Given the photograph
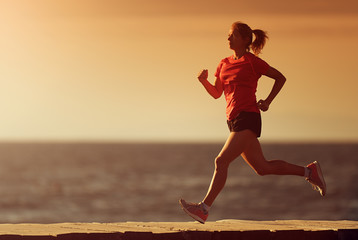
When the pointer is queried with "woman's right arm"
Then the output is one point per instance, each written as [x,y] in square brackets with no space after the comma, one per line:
[215,90]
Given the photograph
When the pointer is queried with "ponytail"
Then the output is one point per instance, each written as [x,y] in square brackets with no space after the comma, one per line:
[259,42]
[245,31]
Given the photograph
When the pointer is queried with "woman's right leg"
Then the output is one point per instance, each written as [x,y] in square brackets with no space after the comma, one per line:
[254,157]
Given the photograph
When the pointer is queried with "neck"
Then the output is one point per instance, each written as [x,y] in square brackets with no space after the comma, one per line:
[239,53]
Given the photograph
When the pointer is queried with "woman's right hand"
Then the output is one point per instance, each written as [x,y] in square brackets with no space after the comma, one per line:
[214,90]
[203,75]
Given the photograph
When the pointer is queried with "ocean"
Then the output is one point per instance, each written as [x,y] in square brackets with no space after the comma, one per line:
[110,182]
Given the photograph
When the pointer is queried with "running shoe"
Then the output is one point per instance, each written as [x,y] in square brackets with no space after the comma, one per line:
[316,178]
[194,210]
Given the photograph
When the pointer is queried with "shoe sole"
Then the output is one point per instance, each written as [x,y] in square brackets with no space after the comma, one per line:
[320,175]
[195,217]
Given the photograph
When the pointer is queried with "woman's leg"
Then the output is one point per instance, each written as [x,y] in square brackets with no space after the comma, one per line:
[254,157]
[235,145]
[246,144]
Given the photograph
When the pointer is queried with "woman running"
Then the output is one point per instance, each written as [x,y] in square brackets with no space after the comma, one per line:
[236,77]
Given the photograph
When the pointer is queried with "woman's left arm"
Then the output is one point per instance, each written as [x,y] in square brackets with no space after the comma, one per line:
[279,82]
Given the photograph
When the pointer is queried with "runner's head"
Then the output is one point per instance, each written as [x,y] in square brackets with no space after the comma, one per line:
[243,31]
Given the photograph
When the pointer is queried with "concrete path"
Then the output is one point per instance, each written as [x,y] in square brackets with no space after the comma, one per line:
[224,229]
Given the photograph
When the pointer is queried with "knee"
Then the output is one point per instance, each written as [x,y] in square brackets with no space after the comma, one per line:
[262,170]
[259,164]
[221,163]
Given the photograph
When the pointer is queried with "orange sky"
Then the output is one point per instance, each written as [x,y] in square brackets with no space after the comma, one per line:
[126,70]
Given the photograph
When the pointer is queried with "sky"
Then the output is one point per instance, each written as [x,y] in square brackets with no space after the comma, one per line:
[115,70]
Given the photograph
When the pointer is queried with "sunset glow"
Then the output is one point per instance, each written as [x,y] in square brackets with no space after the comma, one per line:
[126,71]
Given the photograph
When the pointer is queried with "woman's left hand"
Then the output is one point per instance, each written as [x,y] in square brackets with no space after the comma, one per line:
[263,105]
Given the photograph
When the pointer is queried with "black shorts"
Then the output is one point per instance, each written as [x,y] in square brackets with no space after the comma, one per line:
[246,120]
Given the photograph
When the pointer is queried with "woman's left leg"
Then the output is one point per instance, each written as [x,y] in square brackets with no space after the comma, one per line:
[235,145]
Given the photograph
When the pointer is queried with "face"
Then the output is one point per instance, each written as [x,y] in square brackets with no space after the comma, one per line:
[236,41]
